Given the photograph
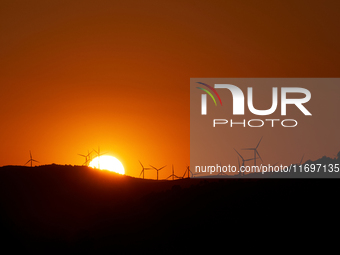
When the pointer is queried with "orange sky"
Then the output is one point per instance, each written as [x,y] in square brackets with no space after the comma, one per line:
[116,74]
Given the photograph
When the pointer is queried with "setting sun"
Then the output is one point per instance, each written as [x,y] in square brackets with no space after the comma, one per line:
[108,163]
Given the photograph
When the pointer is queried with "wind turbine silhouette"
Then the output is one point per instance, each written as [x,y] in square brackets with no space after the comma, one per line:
[276,163]
[187,171]
[173,174]
[243,160]
[221,172]
[239,166]
[143,169]
[157,169]
[255,151]
[273,168]
[301,159]
[87,157]
[190,172]
[31,160]
[98,155]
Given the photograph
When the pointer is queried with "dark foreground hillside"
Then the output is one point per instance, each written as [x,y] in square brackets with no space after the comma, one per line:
[72,209]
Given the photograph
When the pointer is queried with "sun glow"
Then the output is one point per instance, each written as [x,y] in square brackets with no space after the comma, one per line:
[107,163]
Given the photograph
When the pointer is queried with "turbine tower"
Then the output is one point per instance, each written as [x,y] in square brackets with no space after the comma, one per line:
[98,155]
[243,161]
[173,174]
[87,157]
[239,166]
[301,159]
[31,160]
[157,169]
[299,164]
[255,151]
[273,167]
[187,171]
[221,173]
[143,169]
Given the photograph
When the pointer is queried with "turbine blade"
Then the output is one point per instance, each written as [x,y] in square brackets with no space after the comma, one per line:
[259,155]
[238,153]
[35,161]
[153,167]
[161,168]
[301,159]
[27,162]
[258,143]
[141,164]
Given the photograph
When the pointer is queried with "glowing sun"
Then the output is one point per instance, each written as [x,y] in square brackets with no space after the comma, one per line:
[108,163]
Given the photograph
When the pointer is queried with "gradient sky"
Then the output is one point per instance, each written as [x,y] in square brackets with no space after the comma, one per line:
[75,75]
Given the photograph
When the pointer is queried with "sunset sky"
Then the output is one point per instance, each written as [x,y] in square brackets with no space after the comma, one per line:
[75,75]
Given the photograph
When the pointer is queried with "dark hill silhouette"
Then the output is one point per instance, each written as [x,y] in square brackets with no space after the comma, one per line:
[324,167]
[76,209]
